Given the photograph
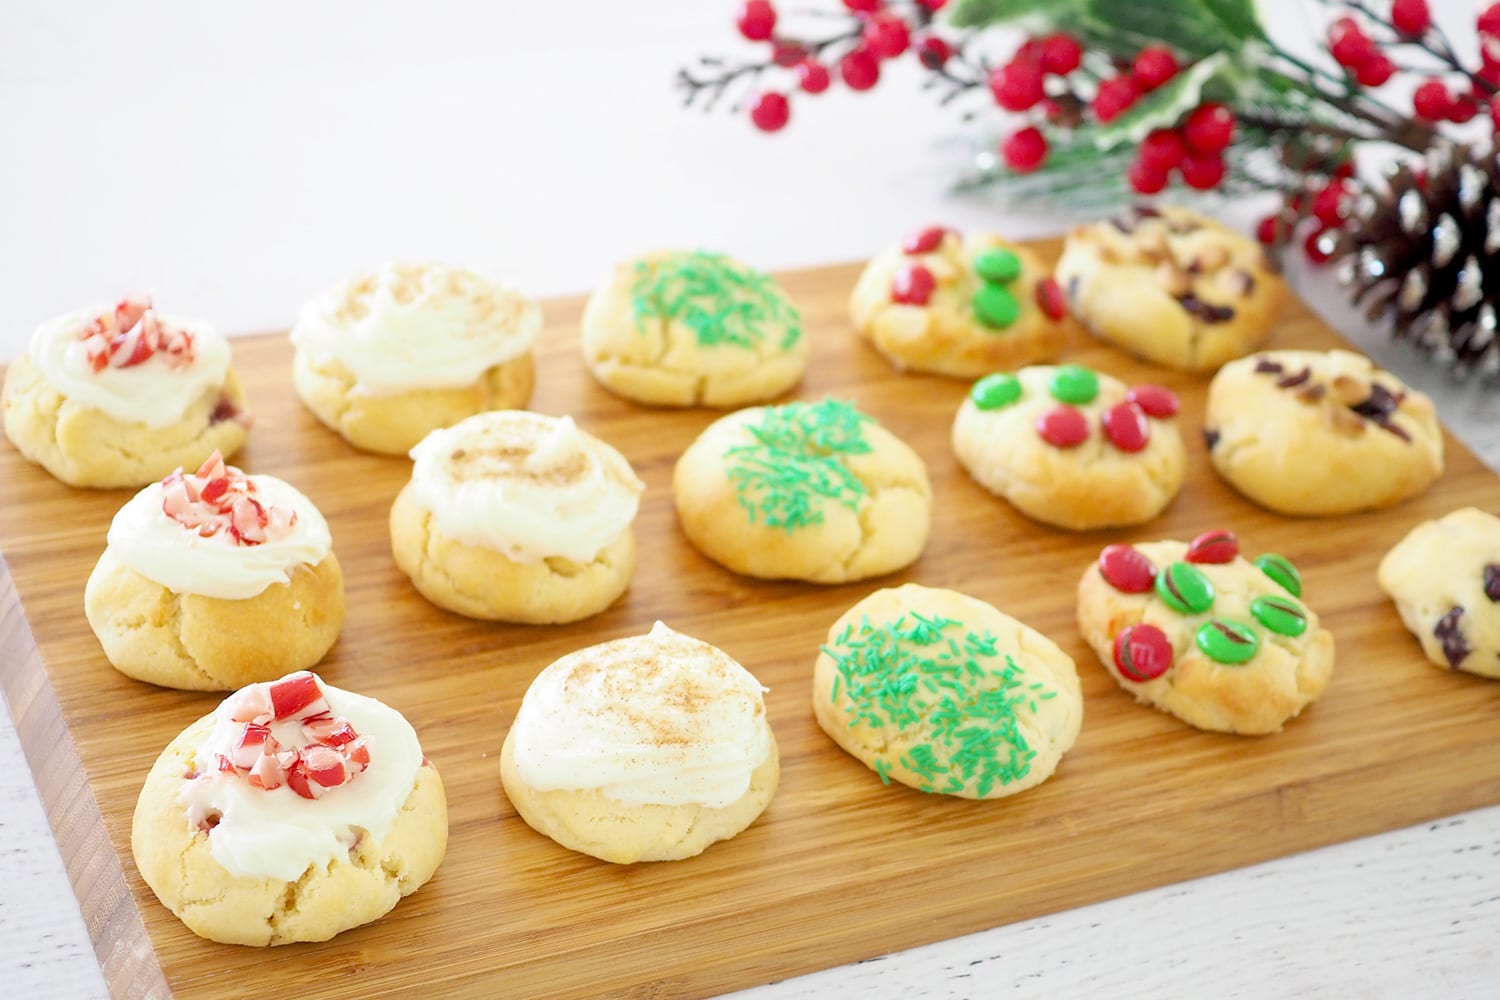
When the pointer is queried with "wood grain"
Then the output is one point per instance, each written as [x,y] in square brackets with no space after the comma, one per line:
[839,867]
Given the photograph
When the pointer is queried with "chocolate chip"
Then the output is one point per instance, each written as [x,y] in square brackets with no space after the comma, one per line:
[1379,405]
[1210,438]
[1206,311]
[1492,581]
[223,410]
[1311,393]
[1394,430]
[1288,381]
[1450,634]
[1265,366]
[1146,211]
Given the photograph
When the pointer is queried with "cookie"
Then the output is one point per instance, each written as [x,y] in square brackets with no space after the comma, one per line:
[1072,447]
[215,579]
[387,357]
[1171,286]
[959,305]
[803,491]
[293,812]
[1320,433]
[1198,631]
[518,517]
[942,692]
[120,396]
[649,748]
[1445,579]
[693,329]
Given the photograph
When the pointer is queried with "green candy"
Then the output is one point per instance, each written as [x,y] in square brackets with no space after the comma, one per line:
[995,391]
[1185,589]
[997,265]
[996,307]
[1227,642]
[1280,569]
[1074,384]
[1280,615]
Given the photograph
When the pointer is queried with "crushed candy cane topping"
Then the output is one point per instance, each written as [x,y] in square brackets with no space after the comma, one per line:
[219,500]
[133,334]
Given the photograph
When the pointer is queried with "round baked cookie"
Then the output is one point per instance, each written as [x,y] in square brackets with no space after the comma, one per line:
[121,395]
[680,328]
[803,491]
[214,579]
[649,748]
[387,357]
[518,517]
[959,305]
[1445,579]
[293,812]
[1198,631]
[1320,433]
[1072,447]
[942,692]
[1171,286]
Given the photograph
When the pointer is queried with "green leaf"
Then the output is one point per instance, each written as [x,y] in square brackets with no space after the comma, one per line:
[1163,106]
[1195,27]
[1238,16]
[979,13]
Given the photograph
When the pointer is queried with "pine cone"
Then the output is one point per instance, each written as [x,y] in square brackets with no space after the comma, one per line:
[1424,246]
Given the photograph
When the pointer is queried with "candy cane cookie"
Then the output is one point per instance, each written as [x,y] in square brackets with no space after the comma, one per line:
[214,579]
[291,813]
[121,395]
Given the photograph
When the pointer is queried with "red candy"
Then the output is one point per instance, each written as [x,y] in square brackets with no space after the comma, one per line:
[1142,652]
[1154,400]
[913,285]
[1213,547]
[1126,568]
[1050,298]
[1125,426]
[926,241]
[1063,427]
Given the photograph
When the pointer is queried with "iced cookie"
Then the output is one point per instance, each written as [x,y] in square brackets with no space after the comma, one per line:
[1071,447]
[959,305]
[1445,579]
[1171,286]
[804,491]
[121,396]
[387,357]
[518,517]
[1320,433]
[1201,633]
[293,812]
[649,748]
[942,692]
[214,579]
[693,329]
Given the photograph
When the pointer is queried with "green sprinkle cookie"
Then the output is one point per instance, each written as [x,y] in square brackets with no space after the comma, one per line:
[996,391]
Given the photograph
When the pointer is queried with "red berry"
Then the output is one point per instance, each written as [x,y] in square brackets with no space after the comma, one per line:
[1050,298]
[1313,246]
[1146,178]
[1153,66]
[1271,228]
[933,52]
[886,35]
[863,6]
[1203,171]
[1463,109]
[1349,44]
[1375,71]
[1488,22]
[1411,17]
[1209,128]
[1142,652]
[932,5]
[770,111]
[1345,171]
[1061,54]
[756,20]
[912,285]
[860,70]
[1430,101]
[1154,400]
[1030,49]
[812,76]
[1024,150]
[925,240]
[1017,85]
[1113,97]
[1127,569]
[1328,204]
[1162,149]
[1125,426]
[1063,427]
[788,54]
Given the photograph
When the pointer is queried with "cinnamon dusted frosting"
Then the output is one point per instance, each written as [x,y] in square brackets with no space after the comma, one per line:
[417,326]
[658,719]
[527,485]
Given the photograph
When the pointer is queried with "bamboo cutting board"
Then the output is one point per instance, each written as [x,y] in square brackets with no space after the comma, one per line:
[840,867]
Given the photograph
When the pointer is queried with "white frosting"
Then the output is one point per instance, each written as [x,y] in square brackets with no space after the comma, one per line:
[145,538]
[278,833]
[412,326]
[526,485]
[151,393]
[659,719]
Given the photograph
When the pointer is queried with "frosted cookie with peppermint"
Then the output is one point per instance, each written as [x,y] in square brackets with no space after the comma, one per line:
[803,491]
[121,395]
[959,305]
[293,812]
[1072,447]
[943,692]
[1200,632]
[518,517]
[1171,286]
[691,328]
[387,357]
[214,579]
[1320,433]
[648,748]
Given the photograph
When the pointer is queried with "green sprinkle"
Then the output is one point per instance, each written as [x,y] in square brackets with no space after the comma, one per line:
[799,459]
[1280,569]
[1074,384]
[721,301]
[998,265]
[885,778]
[995,391]
[996,307]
